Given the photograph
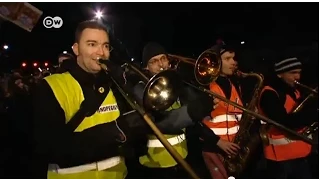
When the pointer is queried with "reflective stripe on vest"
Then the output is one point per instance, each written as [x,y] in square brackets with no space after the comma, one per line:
[158,156]
[280,147]
[98,166]
[69,94]
[283,141]
[225,117]
[173,141]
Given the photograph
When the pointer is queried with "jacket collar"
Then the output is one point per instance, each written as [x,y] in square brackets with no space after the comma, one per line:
[88,79]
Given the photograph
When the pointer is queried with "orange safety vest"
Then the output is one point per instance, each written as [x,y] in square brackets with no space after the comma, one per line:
[280,147]
[225,117]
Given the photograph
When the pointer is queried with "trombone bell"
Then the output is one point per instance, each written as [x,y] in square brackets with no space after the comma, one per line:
[207,67]
[162,90]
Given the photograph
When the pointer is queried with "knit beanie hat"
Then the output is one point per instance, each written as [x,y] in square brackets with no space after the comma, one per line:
[286,65]
[150,50]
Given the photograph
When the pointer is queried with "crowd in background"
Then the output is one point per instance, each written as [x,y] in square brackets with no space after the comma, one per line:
[16,115]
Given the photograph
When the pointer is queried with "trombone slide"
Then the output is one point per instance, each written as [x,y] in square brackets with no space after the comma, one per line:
[154,128]
[263,118]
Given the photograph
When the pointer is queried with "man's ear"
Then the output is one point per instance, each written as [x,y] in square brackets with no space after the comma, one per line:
[75,49]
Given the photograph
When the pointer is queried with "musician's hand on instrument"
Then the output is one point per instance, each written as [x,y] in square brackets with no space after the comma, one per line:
[228,147]
[215,102]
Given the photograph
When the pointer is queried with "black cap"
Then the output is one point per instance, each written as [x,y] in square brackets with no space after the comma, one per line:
[221,47]
[150,50]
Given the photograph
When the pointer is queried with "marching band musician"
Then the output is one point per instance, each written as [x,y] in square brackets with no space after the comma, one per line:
[157,162]
[286,158]
[225,117]
[90,146]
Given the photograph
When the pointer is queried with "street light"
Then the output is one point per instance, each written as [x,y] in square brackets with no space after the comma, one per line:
[99,14]
[5,47]
[242,42]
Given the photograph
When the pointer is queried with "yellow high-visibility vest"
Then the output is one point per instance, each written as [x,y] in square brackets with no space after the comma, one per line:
[69,94]
[158,156]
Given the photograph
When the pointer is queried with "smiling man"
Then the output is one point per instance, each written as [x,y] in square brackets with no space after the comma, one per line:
[88,146]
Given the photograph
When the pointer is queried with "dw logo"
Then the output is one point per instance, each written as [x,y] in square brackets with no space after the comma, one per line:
[49,22]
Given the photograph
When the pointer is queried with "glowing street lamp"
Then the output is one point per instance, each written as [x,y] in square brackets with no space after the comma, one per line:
[99,14]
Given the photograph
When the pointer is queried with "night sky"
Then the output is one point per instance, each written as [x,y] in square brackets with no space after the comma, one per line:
[184,28]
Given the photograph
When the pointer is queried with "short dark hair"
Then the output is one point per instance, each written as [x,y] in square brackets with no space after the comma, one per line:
[92,24]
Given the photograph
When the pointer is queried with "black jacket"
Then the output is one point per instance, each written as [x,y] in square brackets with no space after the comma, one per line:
[53,141]
[272,104]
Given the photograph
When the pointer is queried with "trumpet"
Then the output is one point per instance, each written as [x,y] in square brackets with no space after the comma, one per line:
[158,101]
[206,69]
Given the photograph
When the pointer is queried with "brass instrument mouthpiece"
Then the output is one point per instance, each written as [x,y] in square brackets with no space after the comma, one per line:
[239,73]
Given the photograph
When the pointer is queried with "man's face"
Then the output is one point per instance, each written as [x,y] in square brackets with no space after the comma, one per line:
[290,76]
[93,44]
[228,63]
[158,63]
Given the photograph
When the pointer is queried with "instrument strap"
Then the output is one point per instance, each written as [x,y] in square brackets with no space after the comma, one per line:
[92,101]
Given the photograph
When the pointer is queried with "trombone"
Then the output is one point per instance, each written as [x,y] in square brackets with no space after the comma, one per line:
[312,91]
[206,69]
[314,127]
[158,101]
